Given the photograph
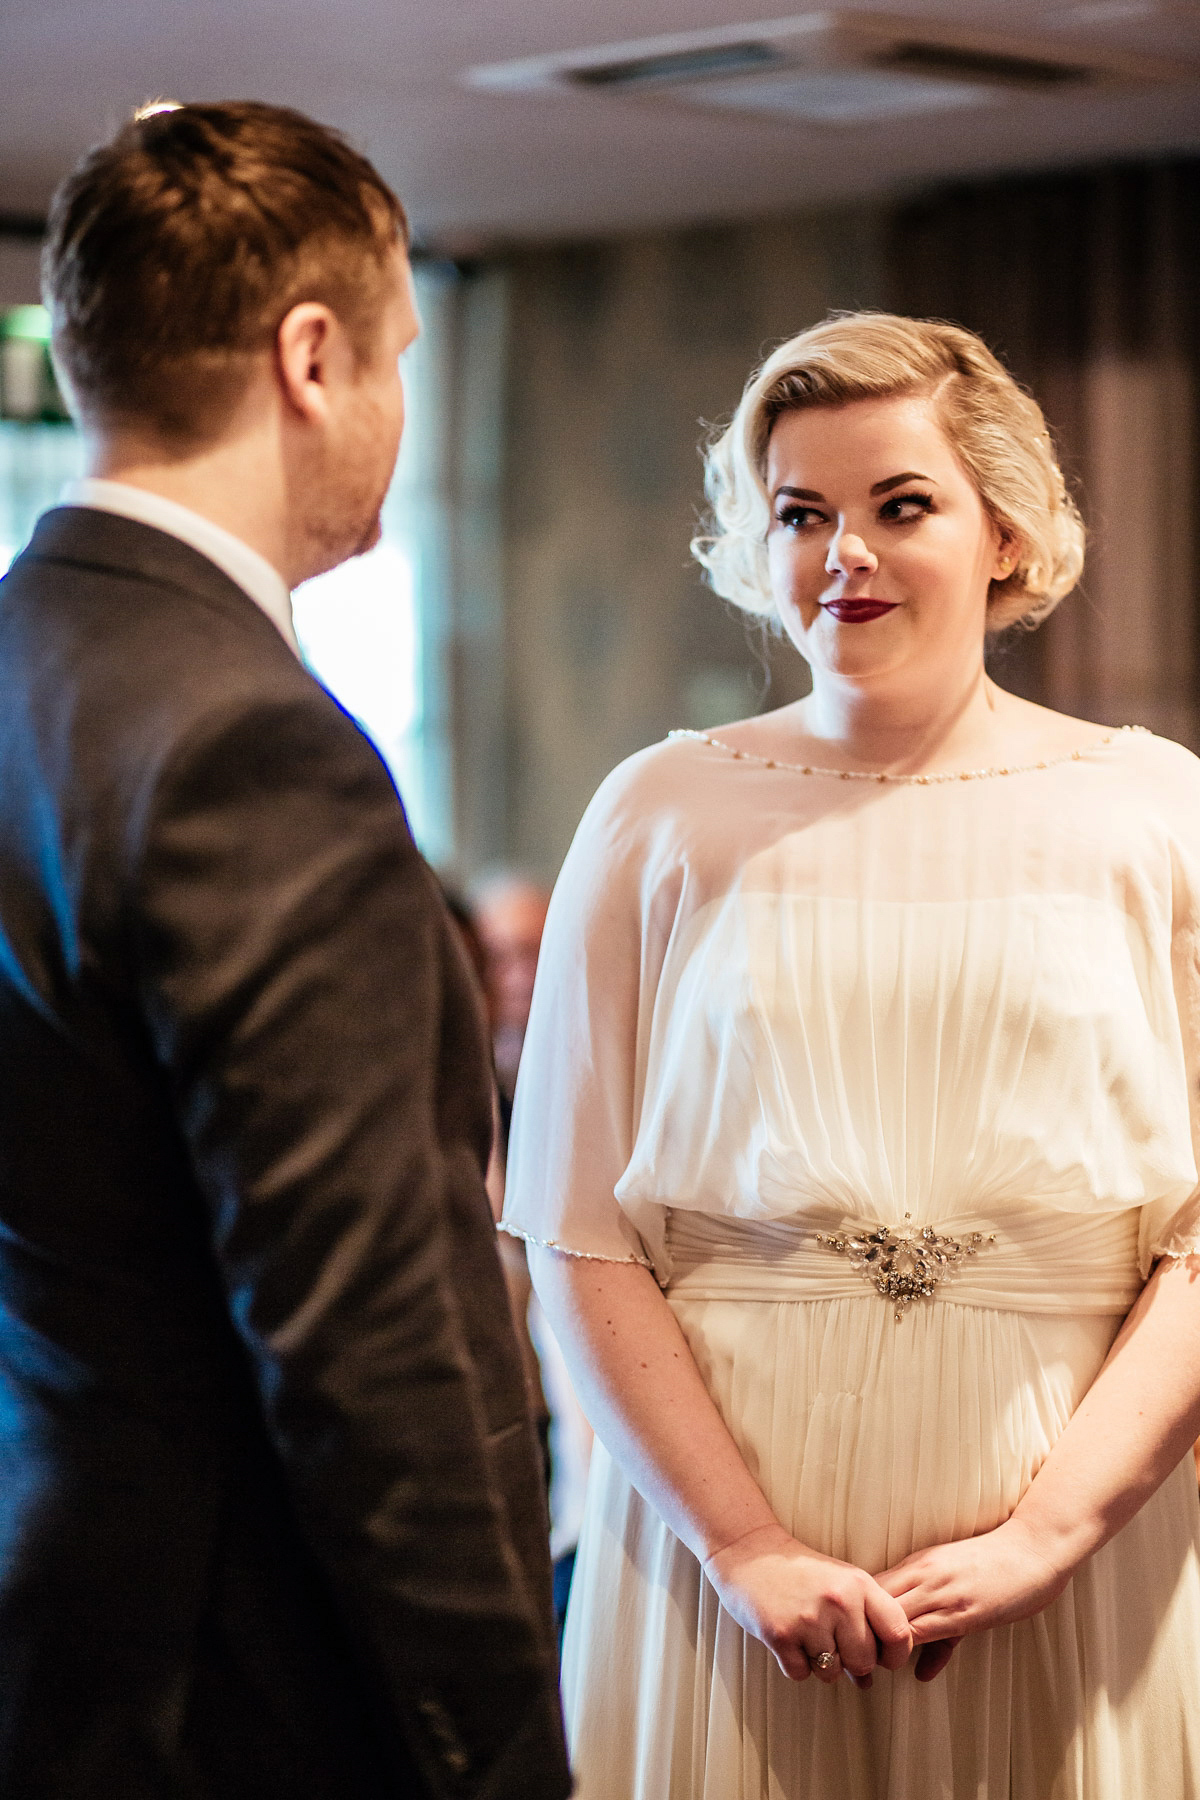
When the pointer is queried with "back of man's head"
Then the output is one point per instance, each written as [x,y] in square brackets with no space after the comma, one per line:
[175,250]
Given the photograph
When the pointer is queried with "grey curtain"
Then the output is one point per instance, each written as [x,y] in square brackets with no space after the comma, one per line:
[1088,285]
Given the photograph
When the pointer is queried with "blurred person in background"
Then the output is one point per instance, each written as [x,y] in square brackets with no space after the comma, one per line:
[509,914]
[271,1517]
[511,1250]
[509,910]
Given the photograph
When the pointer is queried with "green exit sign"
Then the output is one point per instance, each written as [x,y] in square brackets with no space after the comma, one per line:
[28,389]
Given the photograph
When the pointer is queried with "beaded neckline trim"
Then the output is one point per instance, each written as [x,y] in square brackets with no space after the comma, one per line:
[935,778]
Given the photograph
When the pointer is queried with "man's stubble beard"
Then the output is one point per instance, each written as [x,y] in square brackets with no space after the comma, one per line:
[373,535]
[346,493]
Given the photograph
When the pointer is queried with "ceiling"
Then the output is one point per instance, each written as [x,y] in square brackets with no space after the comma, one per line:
[480,167]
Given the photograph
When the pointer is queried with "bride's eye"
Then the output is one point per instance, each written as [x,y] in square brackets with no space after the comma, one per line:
[797,518]
[905,507]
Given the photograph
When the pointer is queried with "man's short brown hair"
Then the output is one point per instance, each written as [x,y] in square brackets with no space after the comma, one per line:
[175,250]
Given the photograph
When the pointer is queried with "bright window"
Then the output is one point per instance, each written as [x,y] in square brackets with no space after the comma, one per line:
[35,462]
[358,629]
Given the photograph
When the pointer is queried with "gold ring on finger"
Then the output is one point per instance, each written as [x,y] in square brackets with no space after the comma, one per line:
[827,1660]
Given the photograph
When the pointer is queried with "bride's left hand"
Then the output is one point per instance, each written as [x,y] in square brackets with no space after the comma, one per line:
[951,1590]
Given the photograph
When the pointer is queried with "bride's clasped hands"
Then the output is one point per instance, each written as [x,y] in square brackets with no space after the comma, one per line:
[951,1590]
[815,1614]
[800,1603]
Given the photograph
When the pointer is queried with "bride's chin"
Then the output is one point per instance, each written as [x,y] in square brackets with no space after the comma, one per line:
[851,661]
[845,649]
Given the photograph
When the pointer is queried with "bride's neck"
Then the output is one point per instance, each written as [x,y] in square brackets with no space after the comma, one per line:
[915,727]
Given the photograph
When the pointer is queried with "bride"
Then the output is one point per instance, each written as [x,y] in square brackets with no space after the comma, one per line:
[856,1147]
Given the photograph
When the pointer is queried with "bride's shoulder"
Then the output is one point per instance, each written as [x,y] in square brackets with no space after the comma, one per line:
[643,793]
[1128,750]
[1159,758]
[641,828]
[1167,778]
[664,774]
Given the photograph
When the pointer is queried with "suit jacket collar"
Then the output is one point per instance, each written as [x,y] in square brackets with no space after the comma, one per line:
[92,539]
[247,566]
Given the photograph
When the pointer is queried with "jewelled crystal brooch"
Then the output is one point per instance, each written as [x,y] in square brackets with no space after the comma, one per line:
[904,1265]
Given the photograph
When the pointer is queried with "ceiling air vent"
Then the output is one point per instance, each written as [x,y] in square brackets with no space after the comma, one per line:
[680,65]
[948,62]
[828,68]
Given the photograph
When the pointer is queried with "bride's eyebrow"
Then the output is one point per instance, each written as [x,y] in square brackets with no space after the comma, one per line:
[881,487]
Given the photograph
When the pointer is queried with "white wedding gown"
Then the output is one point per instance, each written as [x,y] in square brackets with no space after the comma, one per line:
[776,1007]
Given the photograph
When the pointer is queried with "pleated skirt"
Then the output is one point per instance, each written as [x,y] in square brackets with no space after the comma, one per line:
[872,1438]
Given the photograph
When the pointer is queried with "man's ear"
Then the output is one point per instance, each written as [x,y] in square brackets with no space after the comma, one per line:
[306,345]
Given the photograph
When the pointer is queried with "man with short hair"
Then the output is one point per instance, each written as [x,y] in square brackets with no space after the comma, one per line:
[270,1515]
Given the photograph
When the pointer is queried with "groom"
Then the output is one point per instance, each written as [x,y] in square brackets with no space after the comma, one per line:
[270,1518]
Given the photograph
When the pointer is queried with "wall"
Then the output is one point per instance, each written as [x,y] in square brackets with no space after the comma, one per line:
[19,270]
[1088,284]
[619,354]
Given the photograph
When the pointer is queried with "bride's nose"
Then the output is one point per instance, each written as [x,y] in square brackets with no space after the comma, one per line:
[849,555]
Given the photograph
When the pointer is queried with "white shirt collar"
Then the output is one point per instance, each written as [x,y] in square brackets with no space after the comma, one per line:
[252,572]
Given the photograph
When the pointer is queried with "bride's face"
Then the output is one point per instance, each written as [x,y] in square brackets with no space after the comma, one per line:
[881,551]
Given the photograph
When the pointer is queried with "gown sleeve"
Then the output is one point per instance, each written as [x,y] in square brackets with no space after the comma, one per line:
[577,1092]
[1169,1227]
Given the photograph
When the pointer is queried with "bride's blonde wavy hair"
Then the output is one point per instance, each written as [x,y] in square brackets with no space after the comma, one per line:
[996,430]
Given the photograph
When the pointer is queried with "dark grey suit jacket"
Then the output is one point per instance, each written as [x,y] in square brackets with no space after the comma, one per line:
[270,1516]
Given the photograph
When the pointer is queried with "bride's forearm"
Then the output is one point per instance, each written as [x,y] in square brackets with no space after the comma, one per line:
[1133,1426]
[640,1387]
[640,1384]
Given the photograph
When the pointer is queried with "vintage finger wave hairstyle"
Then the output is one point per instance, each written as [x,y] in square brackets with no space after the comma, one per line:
[994,426]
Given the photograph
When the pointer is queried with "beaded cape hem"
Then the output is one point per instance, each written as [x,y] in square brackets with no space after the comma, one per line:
[527,1237]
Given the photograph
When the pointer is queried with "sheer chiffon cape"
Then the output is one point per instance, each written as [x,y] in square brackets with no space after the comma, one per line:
[775,1006]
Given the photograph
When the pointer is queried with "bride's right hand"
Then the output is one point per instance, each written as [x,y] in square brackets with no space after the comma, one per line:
[800,1603]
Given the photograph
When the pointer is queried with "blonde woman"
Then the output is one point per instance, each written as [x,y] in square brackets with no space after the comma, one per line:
[856,1149]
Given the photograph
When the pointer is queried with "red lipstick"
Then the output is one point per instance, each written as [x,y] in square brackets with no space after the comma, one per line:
[858,612]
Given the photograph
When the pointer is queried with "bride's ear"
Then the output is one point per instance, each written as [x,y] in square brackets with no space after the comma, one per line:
[1008,554]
